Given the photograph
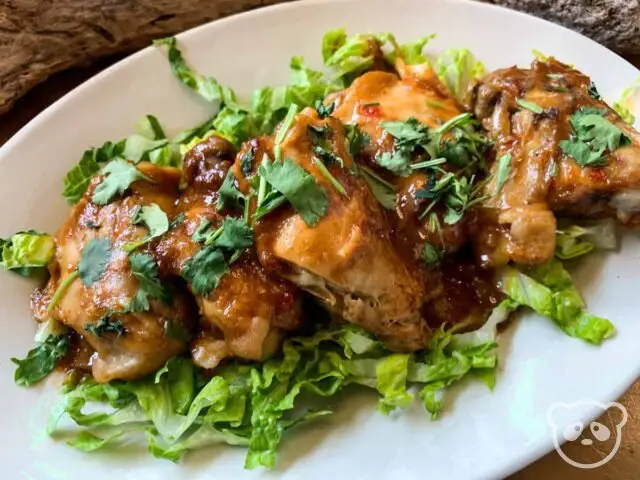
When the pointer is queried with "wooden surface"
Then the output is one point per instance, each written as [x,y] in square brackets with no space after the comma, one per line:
[624,466]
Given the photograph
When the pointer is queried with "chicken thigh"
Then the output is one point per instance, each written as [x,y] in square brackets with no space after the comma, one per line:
[128,342]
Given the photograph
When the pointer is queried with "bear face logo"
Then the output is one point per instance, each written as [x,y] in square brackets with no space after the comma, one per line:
[603,439]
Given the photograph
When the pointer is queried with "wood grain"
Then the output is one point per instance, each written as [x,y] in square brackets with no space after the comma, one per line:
[41,37]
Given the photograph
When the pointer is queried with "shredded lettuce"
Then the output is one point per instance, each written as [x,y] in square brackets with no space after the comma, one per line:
[178,410]
[548,289]
[24,252]
[457,68]
[575,240]
[625,106]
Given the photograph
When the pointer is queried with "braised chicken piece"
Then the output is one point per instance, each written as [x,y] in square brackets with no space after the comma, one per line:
[346,259]
[541,119]
[128,342]
[416,92]
[245,315]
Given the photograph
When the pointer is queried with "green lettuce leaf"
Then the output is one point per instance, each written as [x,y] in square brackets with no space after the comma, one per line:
[456,68]
[549,290]
[624,106]
[576,239]
[23,252]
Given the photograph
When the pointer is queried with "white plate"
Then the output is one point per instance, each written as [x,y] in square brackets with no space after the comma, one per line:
[481,434]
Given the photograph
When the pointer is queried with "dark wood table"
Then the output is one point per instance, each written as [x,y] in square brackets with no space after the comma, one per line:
[624,466]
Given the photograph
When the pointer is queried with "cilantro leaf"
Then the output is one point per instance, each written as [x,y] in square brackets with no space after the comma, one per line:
[155,220]
[204,270]
[383,191]
[504,169]
[235,234]
[593,92]
[357,139]
[396,162]
[308,198]
[177,221]
[246,162]
[431,255]
[145,270]
[94,260]
[119,175]
[324,110]
[41,360]
[105,325]
[592,136]
[229,197]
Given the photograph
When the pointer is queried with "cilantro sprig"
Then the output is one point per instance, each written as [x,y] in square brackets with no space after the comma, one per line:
[592,137]
[41,360]
[119,175]
[207,267]
[94,261]
[154,218]
[107,324]
[145,270]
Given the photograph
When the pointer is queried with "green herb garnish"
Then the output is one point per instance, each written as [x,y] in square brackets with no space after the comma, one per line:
[204,270]
[308,198]
[106,325]
[504,170]
[154,218]
[593,135]
[119,175]
[527,105]
[41,360]
[145,270]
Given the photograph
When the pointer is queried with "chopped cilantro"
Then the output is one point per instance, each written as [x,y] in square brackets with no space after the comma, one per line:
[384,191]
[593,92]
[105,325]
[119,175]
[246,162]
[356,139]
[396,162]
[593,135]
[155,220]
[204,270]
[329,177]
[94,260]
[324,110]
[177,221]
[145,270]
[431,255]
[282,131]
[308,198]
[229,197]
[234,234]
[504,169]
[527,105]
[41,360]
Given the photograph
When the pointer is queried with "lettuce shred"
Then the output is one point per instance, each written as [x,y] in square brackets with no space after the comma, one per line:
[549,290]
[253,405]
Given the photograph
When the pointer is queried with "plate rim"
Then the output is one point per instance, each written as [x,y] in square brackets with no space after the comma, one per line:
[519,461]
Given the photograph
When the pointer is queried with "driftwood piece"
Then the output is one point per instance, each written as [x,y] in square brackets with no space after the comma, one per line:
[613,23]
[41,37]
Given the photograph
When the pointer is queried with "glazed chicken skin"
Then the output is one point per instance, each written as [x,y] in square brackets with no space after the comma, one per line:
[459,293]
[347,259]
[246,315]
[543,179]
[143,345]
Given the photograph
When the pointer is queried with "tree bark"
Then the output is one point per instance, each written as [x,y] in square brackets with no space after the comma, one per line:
[41,37]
